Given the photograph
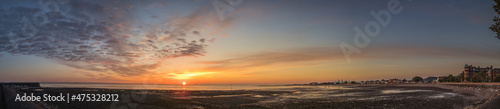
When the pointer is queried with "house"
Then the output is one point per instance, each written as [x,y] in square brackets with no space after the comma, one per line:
[470,71]
[493,73]
[404,81]
[396,81]
[431,79]
[411,81]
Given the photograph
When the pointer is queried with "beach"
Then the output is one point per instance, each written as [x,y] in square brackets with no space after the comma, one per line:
[443,96]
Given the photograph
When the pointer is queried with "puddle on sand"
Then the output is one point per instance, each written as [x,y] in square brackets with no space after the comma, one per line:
[231,95]
[393,91]
[217,96]
[442,95]
[260,96]
[190,97]
[373,98]
[345,94]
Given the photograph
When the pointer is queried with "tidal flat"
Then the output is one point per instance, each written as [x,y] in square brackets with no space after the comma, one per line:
[408,96]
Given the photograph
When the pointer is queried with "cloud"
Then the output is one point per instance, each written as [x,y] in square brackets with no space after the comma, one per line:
[278,58]
[105,36]
[284,58]
[132,70]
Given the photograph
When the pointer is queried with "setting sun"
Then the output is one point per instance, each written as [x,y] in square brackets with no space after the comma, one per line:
[183,83]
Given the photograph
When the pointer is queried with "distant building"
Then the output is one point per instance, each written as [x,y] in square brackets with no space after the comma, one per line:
[493,73]
[395,81]
[313,83]
[329,83]
[410,81]
[431,79]
[470,71]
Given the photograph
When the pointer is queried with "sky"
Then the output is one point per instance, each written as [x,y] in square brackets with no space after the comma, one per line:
[242,41]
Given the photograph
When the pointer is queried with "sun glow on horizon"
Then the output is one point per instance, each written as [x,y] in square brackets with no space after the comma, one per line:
[188,75]
[184,83]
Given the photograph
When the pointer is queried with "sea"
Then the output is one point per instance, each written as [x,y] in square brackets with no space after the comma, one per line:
[175,87]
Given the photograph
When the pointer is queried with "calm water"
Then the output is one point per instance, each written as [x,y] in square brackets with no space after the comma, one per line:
[166,86]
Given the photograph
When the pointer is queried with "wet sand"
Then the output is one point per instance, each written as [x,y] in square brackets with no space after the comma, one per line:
[443,96]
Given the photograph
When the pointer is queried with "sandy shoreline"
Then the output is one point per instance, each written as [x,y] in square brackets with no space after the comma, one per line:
[324,96]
